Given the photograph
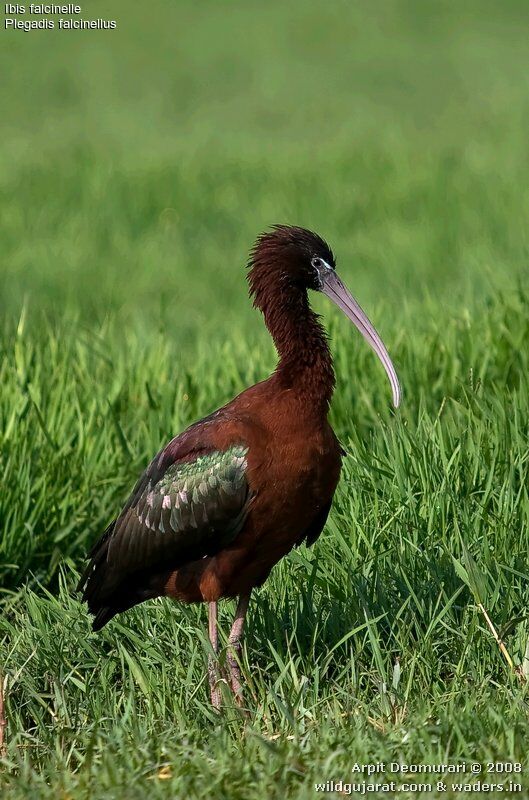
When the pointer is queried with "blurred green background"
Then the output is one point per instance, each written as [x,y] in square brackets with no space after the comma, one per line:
[137,167]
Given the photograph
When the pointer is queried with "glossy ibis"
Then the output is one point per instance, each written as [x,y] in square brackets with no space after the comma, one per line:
[232,494]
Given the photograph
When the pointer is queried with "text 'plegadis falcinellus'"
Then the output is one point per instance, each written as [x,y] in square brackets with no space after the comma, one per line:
[231,495]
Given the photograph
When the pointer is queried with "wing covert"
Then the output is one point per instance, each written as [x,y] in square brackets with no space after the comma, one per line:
[203,492]
[190,509]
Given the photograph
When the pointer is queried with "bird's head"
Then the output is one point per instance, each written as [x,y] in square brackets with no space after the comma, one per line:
[292,257]
[287,260]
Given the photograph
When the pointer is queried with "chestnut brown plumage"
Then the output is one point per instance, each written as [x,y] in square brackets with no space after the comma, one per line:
[226,499]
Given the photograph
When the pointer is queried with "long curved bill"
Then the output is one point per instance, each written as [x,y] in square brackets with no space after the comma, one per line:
[333,287]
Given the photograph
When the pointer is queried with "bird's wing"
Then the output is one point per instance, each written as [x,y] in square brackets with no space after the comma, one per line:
[189,503]
[197,506]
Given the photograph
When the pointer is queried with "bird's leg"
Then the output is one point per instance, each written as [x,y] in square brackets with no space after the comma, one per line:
[212,659]
[234,646]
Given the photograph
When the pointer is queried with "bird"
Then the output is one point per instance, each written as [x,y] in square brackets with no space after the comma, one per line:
[230,496]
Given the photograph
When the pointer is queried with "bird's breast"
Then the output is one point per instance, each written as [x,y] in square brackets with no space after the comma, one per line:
[297,479]
[292,478]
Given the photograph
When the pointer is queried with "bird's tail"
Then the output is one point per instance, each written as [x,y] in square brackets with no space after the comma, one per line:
[92,582]
[104,600]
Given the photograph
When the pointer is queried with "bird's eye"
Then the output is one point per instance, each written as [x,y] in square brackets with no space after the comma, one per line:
[317,263]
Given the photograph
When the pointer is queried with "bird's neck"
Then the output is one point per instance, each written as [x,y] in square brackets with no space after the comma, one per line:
[305,362]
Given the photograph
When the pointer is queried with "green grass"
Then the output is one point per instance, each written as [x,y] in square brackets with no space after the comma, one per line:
[135,172]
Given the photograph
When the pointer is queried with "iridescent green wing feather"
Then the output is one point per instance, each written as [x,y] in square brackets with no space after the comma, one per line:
[193,509]
[196,493]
